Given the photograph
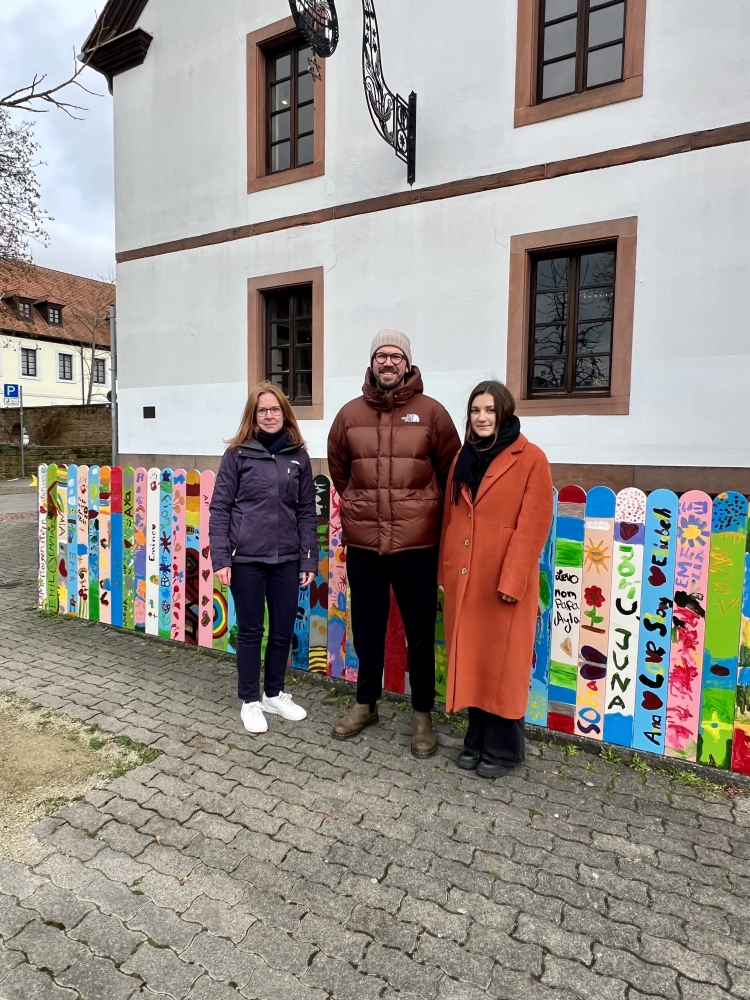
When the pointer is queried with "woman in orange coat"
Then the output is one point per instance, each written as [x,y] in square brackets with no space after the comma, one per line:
[498,511]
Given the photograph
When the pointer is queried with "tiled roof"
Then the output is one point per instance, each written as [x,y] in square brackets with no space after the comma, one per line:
[85,303]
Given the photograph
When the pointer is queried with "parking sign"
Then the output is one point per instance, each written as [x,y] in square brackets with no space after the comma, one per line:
[11,394]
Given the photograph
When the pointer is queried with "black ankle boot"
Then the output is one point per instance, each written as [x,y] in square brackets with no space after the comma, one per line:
[467,759]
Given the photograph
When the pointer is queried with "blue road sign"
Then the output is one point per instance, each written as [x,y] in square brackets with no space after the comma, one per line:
[10,390]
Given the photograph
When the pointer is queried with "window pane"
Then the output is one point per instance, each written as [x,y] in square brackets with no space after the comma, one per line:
[304,303]
[560,39]
[551,307]
[592,373]
[548,375]
[281,380]
[552,273]
[595,303]
[305,88]
[594,338]
[305,150]
[304,359]
[304,385]
[606,25]
[283,67]
[279,359]
[280,157]
[549,340]
[604,66]
[304,333]
[559,78]
[280,126]
[598,268]
[559,8]
[278,307]
[281,96]
[279,335]
[305,119]
[303,58]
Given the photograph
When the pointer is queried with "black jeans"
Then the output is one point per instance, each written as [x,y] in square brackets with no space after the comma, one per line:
[495,739]
[413,576]
[252,585]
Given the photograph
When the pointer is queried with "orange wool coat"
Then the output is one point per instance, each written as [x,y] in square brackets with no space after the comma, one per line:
[489,547]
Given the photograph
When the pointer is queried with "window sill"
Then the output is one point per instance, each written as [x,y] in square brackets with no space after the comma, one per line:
[573,406]
[266,181]
[625,90]
[314,412]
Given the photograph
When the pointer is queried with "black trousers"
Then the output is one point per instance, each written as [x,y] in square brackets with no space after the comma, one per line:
[497,740]
[413,576]
[252,585]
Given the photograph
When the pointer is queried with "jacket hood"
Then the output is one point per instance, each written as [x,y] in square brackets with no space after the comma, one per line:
[393,399]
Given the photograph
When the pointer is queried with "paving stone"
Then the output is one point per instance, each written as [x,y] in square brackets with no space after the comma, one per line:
[482,910]
[56,906]
[13,918]
[433,918]
[509,985]
[273,984]
[457,962]
[168,860]
[364,890]
[652,979]
[218,917]
[98,979]
[417,884]
[122,837]
[277,949]
[84,815]
[384,928]
[207,989]
[272,909]
[169,833]
[221,959]
[106,936]
[8,961]
[45,946]
[162,971]
[704,968]
[26,983]
[341,981]
[16,881]
[601,929]
[553,938]
[587,985]
[127,812]
[400,971]
[164,890]
[118,867]
[505,950]
[113,898]
[313,868]
[331,938]
[699,991]
[163,927]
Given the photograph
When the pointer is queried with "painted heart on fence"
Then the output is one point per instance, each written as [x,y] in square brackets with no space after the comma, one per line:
[628,531]
[656,578]
[566,647]
[651,701]
[206,573]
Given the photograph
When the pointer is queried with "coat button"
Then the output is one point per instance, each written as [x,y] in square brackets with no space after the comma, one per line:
[469,514]
[464,571]
[467,542]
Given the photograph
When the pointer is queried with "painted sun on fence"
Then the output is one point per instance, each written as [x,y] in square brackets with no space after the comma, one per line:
[643,626]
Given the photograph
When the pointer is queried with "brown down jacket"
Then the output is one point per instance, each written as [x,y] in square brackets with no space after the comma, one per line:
[389,454]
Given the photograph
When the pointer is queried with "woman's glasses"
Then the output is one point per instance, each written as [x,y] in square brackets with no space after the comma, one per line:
[274,411]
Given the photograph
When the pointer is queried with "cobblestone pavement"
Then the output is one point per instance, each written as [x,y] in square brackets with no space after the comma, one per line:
[292,866]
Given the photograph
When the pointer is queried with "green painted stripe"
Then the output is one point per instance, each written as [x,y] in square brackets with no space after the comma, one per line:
[568,553]
[563,675]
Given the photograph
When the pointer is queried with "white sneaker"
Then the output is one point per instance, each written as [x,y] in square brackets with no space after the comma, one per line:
[283,705]
[253,718]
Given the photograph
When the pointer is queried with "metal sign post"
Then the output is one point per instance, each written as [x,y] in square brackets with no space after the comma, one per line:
[113,380]
[23,457]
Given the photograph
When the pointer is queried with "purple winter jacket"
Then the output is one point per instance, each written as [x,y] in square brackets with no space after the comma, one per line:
[263,508]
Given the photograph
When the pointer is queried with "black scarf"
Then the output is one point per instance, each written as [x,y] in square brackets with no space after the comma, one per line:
[474,459]
[273,442]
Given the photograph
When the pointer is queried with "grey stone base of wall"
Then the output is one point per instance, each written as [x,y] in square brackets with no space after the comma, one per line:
[36,455]
[680,478]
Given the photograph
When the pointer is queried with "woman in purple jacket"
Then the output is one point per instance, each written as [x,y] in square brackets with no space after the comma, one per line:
[263,537]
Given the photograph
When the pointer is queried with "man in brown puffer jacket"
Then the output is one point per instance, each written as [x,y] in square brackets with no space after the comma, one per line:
[389,454]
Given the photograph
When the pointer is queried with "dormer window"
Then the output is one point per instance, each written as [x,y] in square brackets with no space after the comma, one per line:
[24,310]
[54,315]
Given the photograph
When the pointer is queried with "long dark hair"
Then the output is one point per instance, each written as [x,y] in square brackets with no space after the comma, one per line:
[505,406]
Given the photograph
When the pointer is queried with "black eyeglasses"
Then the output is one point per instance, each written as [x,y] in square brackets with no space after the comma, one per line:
[395,359]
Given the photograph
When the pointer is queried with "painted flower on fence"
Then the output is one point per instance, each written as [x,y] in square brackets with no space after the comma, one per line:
[693,531]
[593,596]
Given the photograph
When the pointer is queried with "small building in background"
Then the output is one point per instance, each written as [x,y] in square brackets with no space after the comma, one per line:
[54,335]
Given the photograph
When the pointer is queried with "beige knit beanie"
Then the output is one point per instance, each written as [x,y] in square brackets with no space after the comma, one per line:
[392,338]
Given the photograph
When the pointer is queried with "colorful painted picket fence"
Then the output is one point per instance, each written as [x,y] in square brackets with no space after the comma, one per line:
[643,626]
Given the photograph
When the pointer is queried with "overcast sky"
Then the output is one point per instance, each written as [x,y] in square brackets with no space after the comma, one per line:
[76,179]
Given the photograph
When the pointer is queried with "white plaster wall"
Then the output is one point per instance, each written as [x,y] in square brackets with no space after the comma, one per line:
[439,271]
[180,118]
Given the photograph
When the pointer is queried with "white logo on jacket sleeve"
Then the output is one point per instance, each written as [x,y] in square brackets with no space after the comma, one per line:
[411,418]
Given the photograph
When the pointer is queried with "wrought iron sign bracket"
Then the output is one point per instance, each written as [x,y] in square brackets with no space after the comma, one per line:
[393,117]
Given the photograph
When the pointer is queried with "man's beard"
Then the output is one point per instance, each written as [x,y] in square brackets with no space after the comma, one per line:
[389,388]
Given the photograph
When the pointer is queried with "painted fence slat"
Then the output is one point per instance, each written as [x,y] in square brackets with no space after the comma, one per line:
[93,541]
[624,619]
[649,724]
[723,621]
[626,586]
[566,616]
[538,701]
[591,688]
[688,624]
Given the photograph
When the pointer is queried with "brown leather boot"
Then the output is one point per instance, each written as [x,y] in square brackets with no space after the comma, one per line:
[423,742]
[355,721]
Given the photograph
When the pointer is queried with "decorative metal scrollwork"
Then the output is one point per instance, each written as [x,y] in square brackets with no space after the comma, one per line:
[318,24]
[393,117]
